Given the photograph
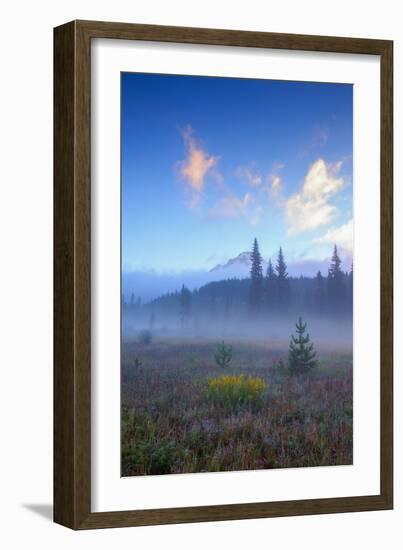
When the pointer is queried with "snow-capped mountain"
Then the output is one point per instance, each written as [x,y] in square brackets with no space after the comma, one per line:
[243,259]
[149,284]
[236,267]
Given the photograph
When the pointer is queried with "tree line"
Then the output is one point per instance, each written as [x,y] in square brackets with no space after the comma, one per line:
[268,295]
[277,292]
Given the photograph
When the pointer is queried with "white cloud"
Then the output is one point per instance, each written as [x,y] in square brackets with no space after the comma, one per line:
[232,206]
[341,236]
[194,169]
[310,208]
[275,185]
[270,184]
[254,179]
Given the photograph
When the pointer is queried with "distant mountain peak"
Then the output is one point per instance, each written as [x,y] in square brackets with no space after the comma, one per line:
[242,260]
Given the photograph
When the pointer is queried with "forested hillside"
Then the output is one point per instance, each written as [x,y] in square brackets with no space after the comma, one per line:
[263,296]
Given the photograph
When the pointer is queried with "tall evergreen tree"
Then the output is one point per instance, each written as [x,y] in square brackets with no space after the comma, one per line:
[270,271]
[301,355]
[281,267]
[336,287]
[256,280]
[283,284]
[270,286]
[335,264]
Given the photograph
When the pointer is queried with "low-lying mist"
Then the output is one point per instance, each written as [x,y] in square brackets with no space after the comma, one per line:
[322,330]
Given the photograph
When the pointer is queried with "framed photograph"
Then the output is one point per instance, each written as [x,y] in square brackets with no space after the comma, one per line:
[222,275]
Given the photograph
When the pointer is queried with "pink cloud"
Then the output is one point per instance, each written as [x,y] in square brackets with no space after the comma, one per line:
[197,165]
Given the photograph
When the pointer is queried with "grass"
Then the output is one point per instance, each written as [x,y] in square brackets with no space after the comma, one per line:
[170,423]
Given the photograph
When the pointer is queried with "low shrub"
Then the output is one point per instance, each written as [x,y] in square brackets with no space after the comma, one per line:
[236,390]
[148,458]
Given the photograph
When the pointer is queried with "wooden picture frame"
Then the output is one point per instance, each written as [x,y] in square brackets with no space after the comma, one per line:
[72,270]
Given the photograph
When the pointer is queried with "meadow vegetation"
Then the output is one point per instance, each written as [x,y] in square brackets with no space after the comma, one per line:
[192,405]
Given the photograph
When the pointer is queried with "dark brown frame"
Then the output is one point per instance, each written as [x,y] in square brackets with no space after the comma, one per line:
[72,267]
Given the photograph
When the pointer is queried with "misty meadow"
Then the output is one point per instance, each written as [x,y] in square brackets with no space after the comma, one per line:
[237,353]
[210,384]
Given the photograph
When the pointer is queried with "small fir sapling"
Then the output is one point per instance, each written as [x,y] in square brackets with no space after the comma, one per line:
[223,355]
[301,355]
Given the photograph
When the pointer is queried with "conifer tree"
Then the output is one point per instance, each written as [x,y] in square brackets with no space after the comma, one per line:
[270,286]
[256,280]
[336,288]
[281,266]
[301,354]
[335,264]
[283,286]
[270,271]
[223,355]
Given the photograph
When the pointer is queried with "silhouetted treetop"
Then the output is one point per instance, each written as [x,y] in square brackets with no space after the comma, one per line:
[281,266]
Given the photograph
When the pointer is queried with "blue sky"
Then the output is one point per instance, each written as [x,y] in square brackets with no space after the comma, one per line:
[210,163]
